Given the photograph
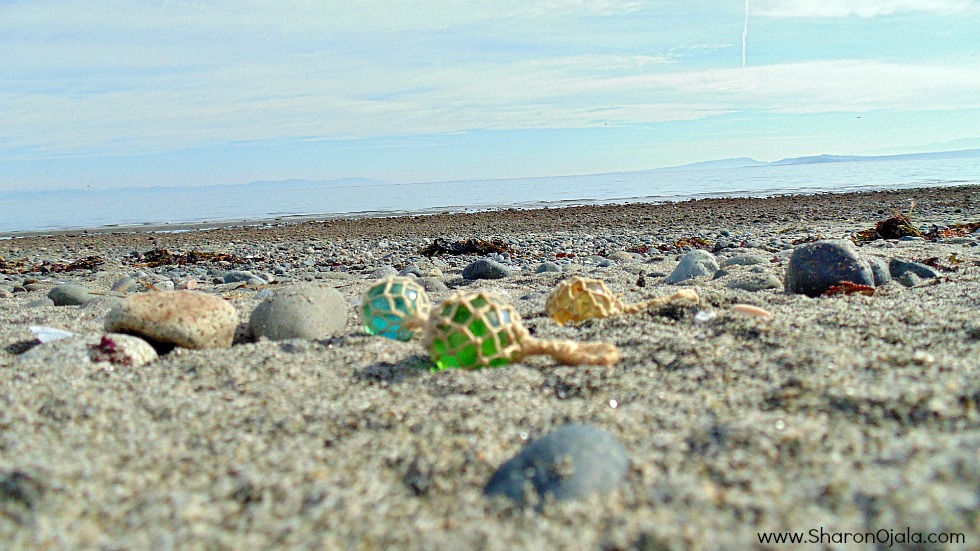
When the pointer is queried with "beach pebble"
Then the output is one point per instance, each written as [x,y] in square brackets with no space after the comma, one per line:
[879,269]
[744,260]
[697,263]
[411,270]
[755,282]
[245,276]
[433,285]
[898,267]
[909,279]
[164,285]
[40,303]
[70,294]
[111,348]
[485,268]
[572,461]
[815,267]
[4,293]
[547,267]
[621,256]
[383,272]
[125,285]
[191,319]
[300,311]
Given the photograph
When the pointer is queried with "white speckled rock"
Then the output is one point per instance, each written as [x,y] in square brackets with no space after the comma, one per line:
[301,311]
[112,348]
[184,318]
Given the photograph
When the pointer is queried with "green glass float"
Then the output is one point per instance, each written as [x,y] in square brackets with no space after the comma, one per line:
[478,330]
[395,307]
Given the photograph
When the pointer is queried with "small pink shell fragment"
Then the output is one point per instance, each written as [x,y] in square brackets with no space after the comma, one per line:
[750,310]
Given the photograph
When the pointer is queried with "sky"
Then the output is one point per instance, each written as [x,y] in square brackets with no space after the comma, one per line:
[115,93]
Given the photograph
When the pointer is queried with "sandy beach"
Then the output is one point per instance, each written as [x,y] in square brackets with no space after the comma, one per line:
[849,414]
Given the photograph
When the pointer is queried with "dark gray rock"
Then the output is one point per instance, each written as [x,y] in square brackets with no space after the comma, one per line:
[815,267]
[570,462]
[697,263]
[547,267]
[485,268]
[301,311]
[898,267]
[879,269]
[70,294]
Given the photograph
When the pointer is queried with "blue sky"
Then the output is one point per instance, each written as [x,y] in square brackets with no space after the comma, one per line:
[120,93]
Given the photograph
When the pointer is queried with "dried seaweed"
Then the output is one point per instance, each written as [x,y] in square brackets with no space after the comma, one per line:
[21,267]
[935,262]
[693,242]
[849,288]
[162,257]
[956,230]
[12,266]
[469,246]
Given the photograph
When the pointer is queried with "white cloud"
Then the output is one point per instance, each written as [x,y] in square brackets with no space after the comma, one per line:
[859,8]
[289,101]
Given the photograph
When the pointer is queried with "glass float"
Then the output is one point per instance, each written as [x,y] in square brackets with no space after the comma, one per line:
[577,299]
[395,307]
[477,330]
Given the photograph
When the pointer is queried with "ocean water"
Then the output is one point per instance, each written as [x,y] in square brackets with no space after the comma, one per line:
[77,209]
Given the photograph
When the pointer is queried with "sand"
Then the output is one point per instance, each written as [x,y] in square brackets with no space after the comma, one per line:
[841,416]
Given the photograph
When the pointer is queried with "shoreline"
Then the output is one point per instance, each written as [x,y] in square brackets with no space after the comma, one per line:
[294,219]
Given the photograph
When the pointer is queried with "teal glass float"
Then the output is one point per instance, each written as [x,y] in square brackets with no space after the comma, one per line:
[395,307]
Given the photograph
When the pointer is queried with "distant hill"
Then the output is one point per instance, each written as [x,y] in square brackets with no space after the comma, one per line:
[961,154]
[738,162]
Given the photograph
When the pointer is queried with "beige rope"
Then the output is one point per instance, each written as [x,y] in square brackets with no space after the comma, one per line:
[570,352]
[682,295]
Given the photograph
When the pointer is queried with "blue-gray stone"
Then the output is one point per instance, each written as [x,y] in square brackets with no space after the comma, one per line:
[411,270]
[40,303]
[70,294]
[755,282]
[815,267]
[570,462]
[433,285]
[383,272]
[125,285]
[879,269]
[546,267]
[744,260]
[898,267]
[604,263]
[485,268]
[246,276]
[909,279]
[697,263]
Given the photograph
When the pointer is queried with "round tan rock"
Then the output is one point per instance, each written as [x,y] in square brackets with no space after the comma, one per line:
[184,318]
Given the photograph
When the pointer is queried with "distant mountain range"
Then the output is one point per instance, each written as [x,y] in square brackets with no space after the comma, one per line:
[815,159]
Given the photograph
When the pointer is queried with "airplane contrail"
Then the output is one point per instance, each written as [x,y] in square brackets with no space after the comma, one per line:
[745,32]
